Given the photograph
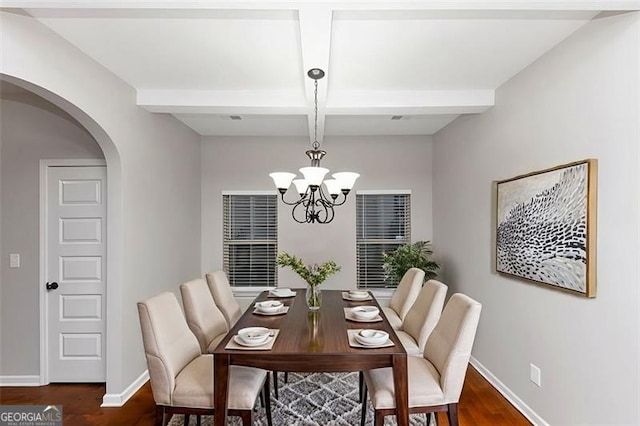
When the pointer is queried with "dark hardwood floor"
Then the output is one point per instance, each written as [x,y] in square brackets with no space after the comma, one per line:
[480,404]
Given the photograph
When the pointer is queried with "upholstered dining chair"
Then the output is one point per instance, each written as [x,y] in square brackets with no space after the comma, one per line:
[223,297]
[422,317]
[182,377]
[435,379]
[204,318]
[403,297]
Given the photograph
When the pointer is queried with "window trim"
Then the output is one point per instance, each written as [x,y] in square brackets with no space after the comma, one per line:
[244,291]
[381,291]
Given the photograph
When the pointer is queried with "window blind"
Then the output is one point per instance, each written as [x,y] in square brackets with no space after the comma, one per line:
[250,240]
[383,223]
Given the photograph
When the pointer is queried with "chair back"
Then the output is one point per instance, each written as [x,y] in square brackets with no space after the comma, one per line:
[203,316]
[425,312]
[223,296]
[169,345]
[407,292]
[449,346]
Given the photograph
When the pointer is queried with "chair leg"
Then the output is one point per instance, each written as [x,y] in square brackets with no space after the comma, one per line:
[247,417]
[286,377]
[267,401]
[262,398]
[378,419]
[159,416]
[452,414]
[198,420]
[275,383]
[363,400]
[428,419]
[360,386]
[186,419]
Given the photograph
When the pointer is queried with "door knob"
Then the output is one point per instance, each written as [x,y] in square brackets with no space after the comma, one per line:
[52,286]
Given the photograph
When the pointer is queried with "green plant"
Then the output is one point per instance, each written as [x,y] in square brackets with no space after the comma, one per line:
[313,274]
[416,255]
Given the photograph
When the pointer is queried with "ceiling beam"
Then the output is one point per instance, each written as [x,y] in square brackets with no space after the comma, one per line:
[405,102]
[226,102]
[315,48]
[595,5]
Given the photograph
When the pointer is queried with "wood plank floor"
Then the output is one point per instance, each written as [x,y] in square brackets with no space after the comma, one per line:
[480,404]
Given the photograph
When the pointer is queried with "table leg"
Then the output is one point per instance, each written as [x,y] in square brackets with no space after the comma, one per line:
[401,386]
[220,388]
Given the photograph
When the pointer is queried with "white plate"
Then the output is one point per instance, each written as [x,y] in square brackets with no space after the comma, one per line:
[378,337]
[282,293]
[239,341]
[281,311]
[254,331]
[365,312]
[269,306]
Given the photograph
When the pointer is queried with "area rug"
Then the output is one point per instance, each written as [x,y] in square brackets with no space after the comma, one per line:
[313,399]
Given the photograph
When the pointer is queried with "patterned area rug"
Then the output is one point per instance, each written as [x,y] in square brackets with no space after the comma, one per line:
[314,399]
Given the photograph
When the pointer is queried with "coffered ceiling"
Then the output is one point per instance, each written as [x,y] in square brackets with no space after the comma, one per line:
[239,68]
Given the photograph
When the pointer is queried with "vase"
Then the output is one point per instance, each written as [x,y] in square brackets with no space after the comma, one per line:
[314,297]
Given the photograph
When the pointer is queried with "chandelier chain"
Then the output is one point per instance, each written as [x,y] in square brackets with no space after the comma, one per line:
[315,143]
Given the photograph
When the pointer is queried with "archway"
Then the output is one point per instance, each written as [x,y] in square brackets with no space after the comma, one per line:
[114,268]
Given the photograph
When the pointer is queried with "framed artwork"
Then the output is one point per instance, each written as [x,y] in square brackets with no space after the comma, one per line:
[546,227]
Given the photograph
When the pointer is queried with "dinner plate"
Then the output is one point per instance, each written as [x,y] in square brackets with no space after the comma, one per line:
[280,293]
[239,341]
[283,310]
[378,338]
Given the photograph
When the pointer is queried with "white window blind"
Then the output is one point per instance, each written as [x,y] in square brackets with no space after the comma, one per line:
[250,239]
[383,223]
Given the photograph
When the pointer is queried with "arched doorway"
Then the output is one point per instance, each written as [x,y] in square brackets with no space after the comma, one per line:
[113,267]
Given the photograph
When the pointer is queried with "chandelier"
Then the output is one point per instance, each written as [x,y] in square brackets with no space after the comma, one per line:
[314,203]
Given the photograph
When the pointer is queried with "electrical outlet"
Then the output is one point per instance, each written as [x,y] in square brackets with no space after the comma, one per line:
[534,375]
[14,260]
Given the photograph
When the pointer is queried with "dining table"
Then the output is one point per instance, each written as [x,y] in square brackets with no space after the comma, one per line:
[309,341]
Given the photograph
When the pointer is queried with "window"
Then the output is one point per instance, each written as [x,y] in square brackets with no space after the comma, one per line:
[250,239]
[383,223]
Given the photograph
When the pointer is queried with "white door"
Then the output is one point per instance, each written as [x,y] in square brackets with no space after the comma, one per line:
[75,273]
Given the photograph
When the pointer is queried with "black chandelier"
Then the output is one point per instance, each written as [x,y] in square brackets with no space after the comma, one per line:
[313,200]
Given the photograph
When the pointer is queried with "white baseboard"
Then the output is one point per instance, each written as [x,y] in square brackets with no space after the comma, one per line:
[33,380]
[119,399]
[520,405]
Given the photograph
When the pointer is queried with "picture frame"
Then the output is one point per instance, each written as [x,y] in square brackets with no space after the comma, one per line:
[546,227]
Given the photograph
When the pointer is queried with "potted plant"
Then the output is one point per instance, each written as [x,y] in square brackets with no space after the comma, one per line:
[314,275]
[416,255]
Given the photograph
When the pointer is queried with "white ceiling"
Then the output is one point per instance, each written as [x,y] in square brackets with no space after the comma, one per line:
[204,61]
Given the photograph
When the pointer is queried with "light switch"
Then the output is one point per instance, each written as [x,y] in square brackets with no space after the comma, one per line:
[14,260]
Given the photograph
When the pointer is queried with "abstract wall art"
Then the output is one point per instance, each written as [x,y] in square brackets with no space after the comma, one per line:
[546,227]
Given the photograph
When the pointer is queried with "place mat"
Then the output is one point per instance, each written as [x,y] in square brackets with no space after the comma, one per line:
[266,347]
[345,296]
[348,315]
[354,343]
[282,311]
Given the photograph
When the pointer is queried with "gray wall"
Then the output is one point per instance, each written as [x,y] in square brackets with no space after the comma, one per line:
[384,163]
[153,175]
[581,100]
[30,129]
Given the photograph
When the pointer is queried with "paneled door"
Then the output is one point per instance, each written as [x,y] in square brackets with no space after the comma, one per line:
[75,273]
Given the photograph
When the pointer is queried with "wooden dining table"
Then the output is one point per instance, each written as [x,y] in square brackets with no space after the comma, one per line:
[311,342]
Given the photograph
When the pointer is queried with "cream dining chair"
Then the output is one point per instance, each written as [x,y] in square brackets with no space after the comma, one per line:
[422,317]
[404,296]
[436,378]
[204,318]
[182,377]
[223,297]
